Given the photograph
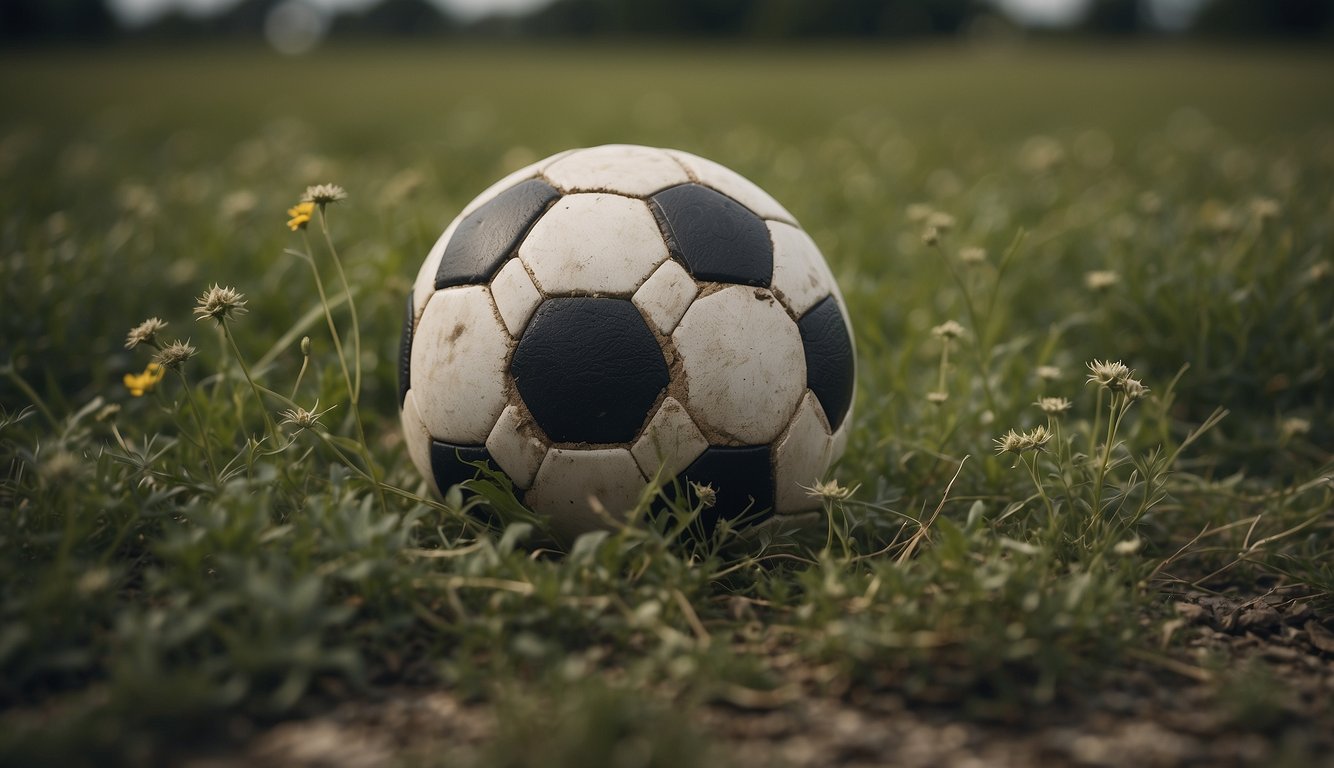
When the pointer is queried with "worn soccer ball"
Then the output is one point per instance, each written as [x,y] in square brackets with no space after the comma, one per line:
[618,316]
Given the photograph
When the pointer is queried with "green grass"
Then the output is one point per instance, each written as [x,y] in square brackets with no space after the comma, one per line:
[163,576]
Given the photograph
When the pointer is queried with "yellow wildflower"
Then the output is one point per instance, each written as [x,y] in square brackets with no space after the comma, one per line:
[141,383]
[300,213]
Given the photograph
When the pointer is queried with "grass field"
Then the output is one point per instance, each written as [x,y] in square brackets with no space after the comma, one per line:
[1155,586]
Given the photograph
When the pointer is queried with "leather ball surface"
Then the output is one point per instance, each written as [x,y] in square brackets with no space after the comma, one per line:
[620,315]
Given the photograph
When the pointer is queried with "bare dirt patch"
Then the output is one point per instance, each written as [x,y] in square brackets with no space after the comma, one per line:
[1242,681]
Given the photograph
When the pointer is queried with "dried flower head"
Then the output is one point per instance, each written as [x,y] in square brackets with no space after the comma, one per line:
[1053,406]
[1048,372]
[145,333]
[1037,438]
[1107,374]
[948,330]
[972,255]
[300,215]
[59,467]
[94,581]
[937,398]
[1134,389]
[705,493]
[1293,426]
[237,204]
[1128,546]
[1014,442]
[140,384]
[930,236]
[1218,218]
[1100,279]
[940,221]
[1265,208]
[304,419]
[175,354]
[1010,442]
[323,194]
[220,303]
[918,212]
[831,490]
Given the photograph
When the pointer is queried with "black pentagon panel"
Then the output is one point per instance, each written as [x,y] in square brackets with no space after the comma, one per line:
[716,237]
[405,355]
[743,479]
[487,236]
[589,369]
[452,464]
[831,367]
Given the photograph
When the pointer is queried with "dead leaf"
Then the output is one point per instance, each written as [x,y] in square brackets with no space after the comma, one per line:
[1319,636]
[1190,611]
[1258,616]
[1169,628]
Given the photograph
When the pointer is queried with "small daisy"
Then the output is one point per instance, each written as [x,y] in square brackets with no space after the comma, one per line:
[323,194]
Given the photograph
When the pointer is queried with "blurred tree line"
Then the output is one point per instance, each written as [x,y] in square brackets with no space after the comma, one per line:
[82,20]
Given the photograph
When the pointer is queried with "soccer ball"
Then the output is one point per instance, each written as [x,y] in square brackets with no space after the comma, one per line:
[618,316]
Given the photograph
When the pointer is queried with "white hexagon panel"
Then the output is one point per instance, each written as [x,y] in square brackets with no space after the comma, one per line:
[621,315]
[593,243]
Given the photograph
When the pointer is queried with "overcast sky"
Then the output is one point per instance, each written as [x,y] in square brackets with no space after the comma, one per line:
[1032,11]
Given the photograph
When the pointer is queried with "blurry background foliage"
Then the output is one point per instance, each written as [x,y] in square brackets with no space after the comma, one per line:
[36,21]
